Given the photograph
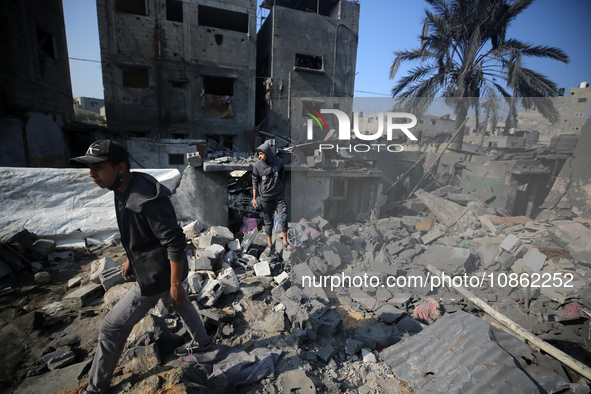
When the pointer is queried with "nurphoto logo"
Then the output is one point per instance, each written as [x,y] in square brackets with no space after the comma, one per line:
[395,121]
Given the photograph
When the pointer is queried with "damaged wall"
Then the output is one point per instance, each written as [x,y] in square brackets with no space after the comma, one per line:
[296,66]
[571,192]
[36,94]
[176,69]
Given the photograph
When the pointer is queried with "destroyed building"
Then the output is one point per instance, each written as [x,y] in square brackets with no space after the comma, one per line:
[572,108]
[179,70]
[36,93]
[305,49]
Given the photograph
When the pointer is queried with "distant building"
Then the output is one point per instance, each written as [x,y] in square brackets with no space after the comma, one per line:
[572,109]
[177,69]
[90,104]
[305,49]
[35,87]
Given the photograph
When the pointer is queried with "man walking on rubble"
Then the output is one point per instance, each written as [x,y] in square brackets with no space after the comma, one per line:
[268,178]
[155,247]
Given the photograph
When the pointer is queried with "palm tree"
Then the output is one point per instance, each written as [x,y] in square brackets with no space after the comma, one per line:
[464,56]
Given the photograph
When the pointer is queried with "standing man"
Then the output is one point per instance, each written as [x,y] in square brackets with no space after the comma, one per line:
[155,248]
[268,178]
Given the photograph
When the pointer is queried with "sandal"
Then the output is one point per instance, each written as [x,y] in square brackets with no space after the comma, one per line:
[288,247]
[267,250]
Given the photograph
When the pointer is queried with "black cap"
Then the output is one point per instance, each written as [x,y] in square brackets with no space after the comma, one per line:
[103,150]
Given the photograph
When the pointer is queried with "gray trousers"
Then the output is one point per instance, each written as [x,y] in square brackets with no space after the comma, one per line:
[117,325]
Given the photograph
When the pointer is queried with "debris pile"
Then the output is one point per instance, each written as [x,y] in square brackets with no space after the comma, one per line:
[354,307]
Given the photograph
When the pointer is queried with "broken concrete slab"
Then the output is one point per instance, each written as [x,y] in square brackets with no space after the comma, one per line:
[230,280]
[211,291]
[83,296]
[297,382]
[452,261]
[435,233]
[352,346]
[59,358]
[326,323]
[326,352]
[575,238]
[56,381]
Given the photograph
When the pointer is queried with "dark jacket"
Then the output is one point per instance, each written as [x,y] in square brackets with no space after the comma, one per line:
[268,176]
[150,233]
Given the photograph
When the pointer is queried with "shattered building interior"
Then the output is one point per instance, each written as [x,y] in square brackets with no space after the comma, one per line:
[424,270]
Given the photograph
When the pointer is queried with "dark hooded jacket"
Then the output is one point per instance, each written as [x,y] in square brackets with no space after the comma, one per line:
[150,232]
[268,176]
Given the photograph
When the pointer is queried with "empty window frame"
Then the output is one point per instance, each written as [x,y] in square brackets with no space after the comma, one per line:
[46,43]
[218,86]
[175,159]
[134,77]
[174,10]
[136,7]
[338,188]
[222,19]
[309,62]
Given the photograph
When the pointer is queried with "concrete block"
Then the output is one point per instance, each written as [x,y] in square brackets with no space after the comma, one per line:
[59,358]
[194,159]
[200,263]
[99,266]
[425,225]
[352,346]
[488,252]
[230,280]
[83,296]
[75,281]
[262,268]
[327,323]
[216,249]
[436,232]
[535,259]
[194,279]
[281,278]
[222,233]
[511,244]
[322,223]
[326,352]
[575,238]
[368,357]
[234,246]
[332,259]
[211,292]
[296,381]
[448,260]
[112,277]
[193,229]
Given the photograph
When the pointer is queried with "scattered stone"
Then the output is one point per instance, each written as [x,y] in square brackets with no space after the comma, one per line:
[211,291]
[60,358]
[83,296]
[99,266]
[42,278]
[326,352]
[368,357]
[40,249]
[262,268]
[352,346]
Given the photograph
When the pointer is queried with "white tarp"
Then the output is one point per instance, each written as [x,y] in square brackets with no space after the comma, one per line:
[61,203]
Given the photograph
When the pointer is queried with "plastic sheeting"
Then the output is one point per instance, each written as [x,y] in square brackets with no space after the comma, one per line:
[61,203]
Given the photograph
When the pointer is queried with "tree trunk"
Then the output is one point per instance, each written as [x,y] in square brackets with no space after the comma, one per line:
[461,113]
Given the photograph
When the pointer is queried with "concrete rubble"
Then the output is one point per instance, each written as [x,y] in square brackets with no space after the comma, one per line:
[353,308]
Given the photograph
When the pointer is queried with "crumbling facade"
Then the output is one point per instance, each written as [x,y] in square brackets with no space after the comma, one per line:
[179,69]
[90,104]
[35,88]
[307,50]
[572,110]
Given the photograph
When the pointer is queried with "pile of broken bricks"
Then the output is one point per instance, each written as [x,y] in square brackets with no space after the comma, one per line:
[248,299]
